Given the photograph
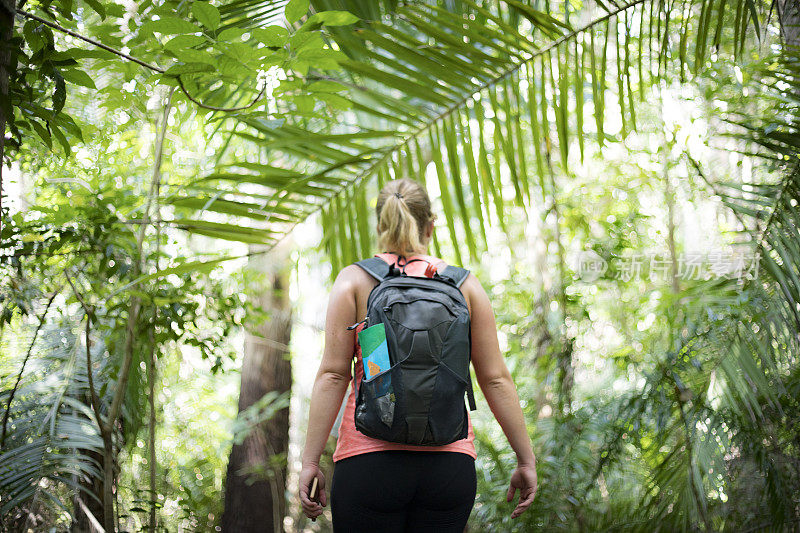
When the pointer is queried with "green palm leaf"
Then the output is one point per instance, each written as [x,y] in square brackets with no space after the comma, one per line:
[414,80]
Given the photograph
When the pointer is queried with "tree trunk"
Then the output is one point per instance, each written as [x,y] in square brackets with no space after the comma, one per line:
[83,503]
[789,14]
[564,360]
[90,504]
[152,494]
[7,10]
[256,478]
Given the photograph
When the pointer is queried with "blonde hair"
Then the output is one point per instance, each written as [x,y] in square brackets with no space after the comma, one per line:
[403,210]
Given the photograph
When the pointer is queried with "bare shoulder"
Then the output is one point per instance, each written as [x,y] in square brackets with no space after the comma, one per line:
[474,293]
[349,274]
[352,280]
[472,284]
[351,277]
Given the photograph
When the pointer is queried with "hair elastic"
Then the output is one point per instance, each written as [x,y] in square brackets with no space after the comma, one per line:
[398,195]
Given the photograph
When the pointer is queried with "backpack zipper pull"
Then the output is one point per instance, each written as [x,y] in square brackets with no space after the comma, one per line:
[354,326]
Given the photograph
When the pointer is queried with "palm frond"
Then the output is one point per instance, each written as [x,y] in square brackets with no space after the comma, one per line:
[717,399]
[453,80]
[53,431]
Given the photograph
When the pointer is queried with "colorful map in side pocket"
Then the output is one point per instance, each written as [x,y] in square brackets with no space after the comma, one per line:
[374,350]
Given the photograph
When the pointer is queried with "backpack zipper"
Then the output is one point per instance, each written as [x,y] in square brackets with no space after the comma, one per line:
[354,326]
[388,308]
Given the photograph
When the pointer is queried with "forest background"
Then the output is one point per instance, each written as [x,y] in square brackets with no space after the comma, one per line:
[182,180]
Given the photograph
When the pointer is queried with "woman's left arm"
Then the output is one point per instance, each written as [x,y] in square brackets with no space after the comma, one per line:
[330,384]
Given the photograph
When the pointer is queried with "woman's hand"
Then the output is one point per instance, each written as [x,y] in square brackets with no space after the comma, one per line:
[524,478]
[311,508]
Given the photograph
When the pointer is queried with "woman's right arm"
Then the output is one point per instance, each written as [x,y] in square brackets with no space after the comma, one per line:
[498,388]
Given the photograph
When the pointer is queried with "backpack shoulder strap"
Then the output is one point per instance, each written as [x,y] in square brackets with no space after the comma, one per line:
[375,267]
[455,274]
[471,396]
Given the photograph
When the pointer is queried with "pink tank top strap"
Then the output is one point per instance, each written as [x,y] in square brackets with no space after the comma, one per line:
[415,265]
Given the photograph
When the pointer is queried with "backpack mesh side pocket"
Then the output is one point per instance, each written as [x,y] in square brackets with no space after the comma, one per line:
[380,406]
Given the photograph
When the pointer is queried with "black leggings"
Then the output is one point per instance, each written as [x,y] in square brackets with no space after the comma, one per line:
[403,490]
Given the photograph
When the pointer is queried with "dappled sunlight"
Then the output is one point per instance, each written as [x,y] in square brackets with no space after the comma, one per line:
[182,185]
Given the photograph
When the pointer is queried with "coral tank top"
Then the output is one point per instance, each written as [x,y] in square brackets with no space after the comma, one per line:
[352,442]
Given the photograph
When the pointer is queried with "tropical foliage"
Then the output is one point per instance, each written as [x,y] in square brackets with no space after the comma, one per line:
[544,131]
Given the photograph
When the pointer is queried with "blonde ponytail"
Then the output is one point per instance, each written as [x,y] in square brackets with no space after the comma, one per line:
[403,210]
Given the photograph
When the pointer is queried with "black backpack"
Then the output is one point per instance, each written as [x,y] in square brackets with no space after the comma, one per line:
[428,339]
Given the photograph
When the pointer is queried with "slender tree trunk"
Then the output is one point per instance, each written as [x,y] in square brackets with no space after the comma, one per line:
[566,370]
[109,479]
[89,508]
[7,10]
[673,311]
[789,15]
[669,199]
[151,426]
[151,368]
[256,478]
[111,423]
[85,505]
